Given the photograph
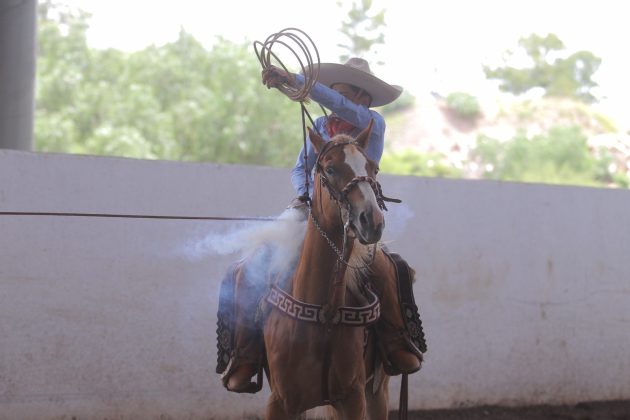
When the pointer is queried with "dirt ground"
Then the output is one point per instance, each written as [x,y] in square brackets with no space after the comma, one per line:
[606,410]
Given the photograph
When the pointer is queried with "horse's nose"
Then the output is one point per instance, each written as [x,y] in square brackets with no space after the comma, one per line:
[372,223]
[363,219]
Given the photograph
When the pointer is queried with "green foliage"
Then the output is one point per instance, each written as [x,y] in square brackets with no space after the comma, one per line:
[178,101]
[410,162]
[463,104]
[362,28]
[561,156]
[569,77]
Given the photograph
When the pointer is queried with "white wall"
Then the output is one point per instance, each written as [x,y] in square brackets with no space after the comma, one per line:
[523,288]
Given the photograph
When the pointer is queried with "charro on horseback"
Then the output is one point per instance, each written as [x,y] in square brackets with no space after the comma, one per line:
[346,294]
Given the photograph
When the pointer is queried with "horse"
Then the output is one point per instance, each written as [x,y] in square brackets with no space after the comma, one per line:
[318,354]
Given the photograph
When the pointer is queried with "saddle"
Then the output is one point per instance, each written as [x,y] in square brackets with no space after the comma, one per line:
[226,316]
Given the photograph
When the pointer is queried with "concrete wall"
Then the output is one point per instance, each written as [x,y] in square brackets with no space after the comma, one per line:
[523,288]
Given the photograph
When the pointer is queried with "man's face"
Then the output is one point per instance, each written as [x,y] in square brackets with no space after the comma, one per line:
[352,93]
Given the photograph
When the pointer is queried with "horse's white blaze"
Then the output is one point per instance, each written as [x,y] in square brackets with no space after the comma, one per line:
[358,163]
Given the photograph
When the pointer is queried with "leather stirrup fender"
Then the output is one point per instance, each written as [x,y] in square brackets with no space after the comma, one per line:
[225,321]
[408,307]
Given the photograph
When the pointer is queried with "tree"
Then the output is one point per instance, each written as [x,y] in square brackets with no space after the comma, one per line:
[464,105]
[410,162]
[561,156]
[363,30]
[563,76]
[177,101]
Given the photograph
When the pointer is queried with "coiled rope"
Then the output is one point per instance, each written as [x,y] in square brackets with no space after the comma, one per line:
[310,71]
[301,50]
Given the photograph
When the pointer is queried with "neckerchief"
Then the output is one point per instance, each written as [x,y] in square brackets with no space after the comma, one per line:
[335,125]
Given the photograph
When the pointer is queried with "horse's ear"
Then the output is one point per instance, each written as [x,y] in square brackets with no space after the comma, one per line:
[364,136]
[316,140]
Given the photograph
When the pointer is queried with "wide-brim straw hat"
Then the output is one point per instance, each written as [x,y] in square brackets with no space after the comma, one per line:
[356,71]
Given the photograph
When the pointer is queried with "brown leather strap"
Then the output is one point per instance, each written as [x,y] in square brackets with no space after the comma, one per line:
[404,397]
[326,367]
[345,315]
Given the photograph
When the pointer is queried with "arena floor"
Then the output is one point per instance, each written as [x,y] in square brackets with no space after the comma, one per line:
[604,410]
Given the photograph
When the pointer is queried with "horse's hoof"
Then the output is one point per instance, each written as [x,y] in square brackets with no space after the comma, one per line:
[240,380]
[404,361]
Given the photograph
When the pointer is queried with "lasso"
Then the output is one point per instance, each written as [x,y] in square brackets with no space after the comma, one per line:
[302,53]
[310,71]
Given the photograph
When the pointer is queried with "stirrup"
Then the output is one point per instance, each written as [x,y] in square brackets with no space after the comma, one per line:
[252,387]
[403,343]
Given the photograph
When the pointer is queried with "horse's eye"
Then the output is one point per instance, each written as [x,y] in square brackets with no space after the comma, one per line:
[330,170]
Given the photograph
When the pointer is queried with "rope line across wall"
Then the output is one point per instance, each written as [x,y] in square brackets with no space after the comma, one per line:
[133,216]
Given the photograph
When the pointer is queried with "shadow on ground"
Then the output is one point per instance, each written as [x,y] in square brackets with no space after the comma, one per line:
[601,410]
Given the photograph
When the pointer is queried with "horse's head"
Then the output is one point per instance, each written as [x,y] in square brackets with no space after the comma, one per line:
[348,174]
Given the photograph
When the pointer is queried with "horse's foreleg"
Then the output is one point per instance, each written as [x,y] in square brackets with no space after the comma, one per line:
[353,406]
[377,402]
[276,410]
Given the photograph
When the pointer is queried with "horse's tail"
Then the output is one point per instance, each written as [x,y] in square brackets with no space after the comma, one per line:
[326,412]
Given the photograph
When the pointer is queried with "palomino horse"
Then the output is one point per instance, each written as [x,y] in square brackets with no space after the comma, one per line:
[318,354]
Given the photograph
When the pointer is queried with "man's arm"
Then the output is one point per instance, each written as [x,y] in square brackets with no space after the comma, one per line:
[299,174]
[357,115]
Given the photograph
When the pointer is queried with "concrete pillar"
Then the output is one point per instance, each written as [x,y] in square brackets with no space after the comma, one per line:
[17,73]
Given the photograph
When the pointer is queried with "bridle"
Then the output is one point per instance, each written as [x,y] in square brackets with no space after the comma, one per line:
[340,197]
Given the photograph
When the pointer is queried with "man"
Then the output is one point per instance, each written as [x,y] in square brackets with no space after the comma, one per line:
[348,90]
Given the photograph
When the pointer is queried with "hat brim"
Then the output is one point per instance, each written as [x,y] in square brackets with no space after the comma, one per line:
[382,93]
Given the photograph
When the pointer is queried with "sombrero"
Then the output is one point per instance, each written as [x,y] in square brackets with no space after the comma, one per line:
[356,71]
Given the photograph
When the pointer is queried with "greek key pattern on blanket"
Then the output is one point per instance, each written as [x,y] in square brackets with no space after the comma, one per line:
[296,309]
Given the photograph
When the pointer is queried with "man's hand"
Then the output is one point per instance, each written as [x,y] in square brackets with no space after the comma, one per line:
[298,201]
[299,204]
[273,77]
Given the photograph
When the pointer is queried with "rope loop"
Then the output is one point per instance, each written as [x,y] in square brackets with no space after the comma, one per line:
[267,59]
[300,45]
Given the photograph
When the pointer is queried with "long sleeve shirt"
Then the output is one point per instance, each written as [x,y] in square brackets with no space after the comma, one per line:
[357,115]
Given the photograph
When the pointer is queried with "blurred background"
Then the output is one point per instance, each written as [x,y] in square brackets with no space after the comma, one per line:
[530,91]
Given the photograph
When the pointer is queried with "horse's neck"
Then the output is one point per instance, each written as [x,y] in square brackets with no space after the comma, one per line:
[318,268]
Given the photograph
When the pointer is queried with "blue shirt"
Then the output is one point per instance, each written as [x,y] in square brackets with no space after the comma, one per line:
[357,115]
